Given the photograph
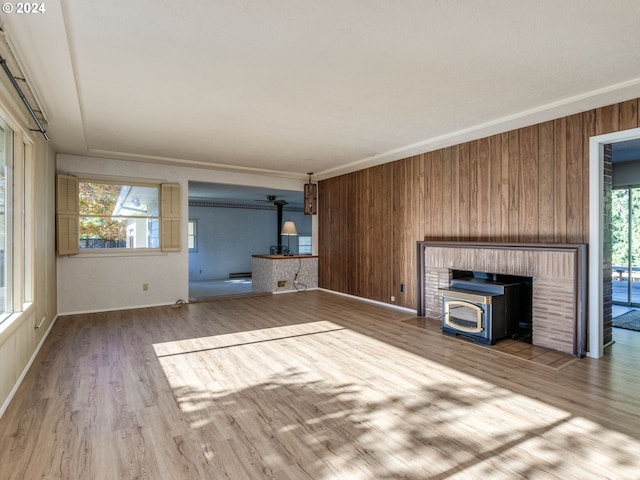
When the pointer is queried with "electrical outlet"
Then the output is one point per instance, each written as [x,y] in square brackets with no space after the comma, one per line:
[282,283]
[145,286]
[393,299]
[402,288]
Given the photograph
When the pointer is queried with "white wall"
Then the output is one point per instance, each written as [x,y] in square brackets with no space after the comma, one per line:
[227,237]
[90,282]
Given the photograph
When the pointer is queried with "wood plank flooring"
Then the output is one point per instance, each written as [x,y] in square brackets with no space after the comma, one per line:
[311,385]
[520,349]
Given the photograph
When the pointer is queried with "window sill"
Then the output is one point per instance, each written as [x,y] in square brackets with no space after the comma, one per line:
[111,253]
[11,323]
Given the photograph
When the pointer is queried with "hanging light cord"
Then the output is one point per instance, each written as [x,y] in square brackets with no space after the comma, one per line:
[301,287]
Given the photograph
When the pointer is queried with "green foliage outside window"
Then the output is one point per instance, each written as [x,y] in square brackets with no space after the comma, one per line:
[622,223]
[97,203]
[116,215]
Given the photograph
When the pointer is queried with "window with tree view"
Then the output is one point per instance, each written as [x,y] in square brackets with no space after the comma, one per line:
[6,195]
[118,216]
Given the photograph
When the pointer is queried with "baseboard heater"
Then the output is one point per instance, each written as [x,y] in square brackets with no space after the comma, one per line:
[240,275]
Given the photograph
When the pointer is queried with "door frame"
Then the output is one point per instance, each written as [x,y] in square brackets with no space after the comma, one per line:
[595,346]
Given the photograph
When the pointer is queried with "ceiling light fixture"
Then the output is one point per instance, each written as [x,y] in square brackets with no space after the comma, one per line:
[310,197]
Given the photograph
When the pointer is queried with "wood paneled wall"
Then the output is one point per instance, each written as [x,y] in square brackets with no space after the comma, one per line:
[527,185]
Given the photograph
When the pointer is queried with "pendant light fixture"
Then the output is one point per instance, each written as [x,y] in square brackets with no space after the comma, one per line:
[310,197]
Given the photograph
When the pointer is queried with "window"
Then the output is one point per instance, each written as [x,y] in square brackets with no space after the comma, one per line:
[17,210]
[6,200]
[304,244]
[191,236]
[101,216]
[118,216]
[28,234]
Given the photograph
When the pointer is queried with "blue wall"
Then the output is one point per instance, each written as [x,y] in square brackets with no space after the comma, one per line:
[227,237]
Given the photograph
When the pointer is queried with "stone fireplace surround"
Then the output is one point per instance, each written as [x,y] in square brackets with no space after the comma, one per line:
[558,271]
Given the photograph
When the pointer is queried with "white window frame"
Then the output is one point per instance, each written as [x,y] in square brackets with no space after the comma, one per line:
[127,248]
[19,224]
[302,249]
[9,253]
[68,217]
[192,226]
[28,218]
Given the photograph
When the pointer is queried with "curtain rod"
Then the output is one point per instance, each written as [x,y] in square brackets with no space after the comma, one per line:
[24,99]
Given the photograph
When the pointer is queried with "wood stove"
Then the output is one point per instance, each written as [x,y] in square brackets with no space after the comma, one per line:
[481,309]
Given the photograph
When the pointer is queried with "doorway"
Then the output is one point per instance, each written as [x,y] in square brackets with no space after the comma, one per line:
[596,231]
[228,224]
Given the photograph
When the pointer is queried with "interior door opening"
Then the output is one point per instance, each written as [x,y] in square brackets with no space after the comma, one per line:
[598,215]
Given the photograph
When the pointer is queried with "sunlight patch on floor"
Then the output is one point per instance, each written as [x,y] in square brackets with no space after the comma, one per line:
[245,337]
[315,391]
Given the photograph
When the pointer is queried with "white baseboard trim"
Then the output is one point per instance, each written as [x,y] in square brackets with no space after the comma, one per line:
[368,300]
[13,391]
[102,310]
[293,290]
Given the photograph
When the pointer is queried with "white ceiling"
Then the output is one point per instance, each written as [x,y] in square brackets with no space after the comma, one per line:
[235,194]
[287,87]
